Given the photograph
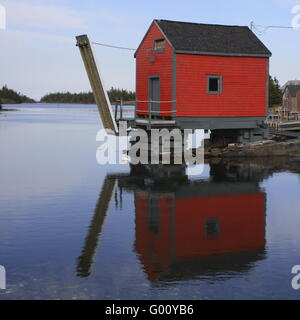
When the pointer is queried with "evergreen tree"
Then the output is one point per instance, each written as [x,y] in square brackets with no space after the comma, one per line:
[275,92]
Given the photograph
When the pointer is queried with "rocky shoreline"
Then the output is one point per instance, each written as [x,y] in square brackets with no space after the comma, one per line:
[264,148]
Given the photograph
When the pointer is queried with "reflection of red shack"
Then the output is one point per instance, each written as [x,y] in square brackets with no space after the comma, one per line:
[172,229]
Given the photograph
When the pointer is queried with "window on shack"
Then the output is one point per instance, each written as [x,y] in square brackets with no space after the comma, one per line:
[159,45]
[214,84]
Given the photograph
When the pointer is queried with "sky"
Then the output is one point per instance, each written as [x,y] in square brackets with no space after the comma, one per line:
[38,54]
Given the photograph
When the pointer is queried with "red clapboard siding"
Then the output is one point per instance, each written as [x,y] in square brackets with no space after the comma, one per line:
[153,248]
[242,224]
[161,67]
[244,86]
[181,235]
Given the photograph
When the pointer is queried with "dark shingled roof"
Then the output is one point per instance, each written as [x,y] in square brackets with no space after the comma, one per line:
[212,39]
[293,89]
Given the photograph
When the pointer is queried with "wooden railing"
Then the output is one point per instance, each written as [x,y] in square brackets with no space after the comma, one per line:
[274,120]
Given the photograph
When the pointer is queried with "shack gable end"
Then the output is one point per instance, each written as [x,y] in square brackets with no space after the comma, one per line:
[152,63]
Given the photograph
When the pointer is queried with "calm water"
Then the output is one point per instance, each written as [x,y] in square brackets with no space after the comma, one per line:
[72,229]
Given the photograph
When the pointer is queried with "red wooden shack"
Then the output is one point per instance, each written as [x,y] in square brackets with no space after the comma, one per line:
[202,76]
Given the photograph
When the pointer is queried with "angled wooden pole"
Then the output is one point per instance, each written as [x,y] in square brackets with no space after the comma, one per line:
[100,94]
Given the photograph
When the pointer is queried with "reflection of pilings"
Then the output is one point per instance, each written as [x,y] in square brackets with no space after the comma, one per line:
[119,197]
[256,169]
[85,261]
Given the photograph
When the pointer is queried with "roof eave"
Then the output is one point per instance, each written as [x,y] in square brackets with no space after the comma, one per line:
[165,36]
[204,53]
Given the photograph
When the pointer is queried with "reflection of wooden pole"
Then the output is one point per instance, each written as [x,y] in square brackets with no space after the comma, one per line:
[99,91]
[85,261]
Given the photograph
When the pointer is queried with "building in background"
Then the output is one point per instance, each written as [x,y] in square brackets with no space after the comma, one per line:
[291,96]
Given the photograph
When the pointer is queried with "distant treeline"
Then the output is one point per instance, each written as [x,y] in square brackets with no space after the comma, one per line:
[87,97]
[68,97]
[11,96]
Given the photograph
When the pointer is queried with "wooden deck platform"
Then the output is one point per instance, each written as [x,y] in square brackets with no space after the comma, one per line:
[289,126]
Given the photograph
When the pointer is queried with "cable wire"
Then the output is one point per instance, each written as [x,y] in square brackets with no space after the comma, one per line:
[112,46]
[260,29]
